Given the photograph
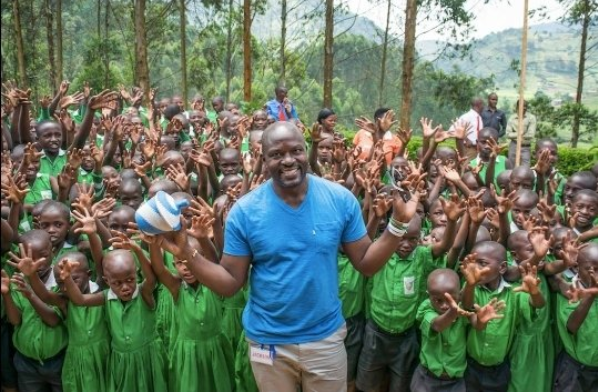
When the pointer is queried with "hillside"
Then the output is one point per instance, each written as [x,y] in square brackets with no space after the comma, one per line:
[553,54]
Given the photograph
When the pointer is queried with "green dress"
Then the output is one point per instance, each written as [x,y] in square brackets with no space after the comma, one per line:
[136,362]
[232,310]
[87,354]
[244,379]
[202,356]
[165,307]
[532,354]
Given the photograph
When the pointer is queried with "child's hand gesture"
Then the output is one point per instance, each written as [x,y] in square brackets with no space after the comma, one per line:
[103,208]
[541,244]
[453,208]
[404,135]
[569,251]
[494,148]
[75,157]
[316,133]
[87,220]
[454,307]
[529,280]
[12,192]
[201,226]
[476,211]
[121,241]
[470,271]
[382,204]
[366,124]
[141,170]
[70,100]
[427,129]
[543,164]
[490,311]
[21,285]
[25,263]
[504,201]
[460,129]
[66,268]
[547,211]
[177,174]
[5,287]
[387,121]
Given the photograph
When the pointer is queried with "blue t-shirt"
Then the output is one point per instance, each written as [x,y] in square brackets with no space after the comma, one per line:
[294,279]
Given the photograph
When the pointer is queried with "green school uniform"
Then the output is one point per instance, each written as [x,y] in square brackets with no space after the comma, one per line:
[165,307]
[499,167]
[533,343]
[490,346]
[232,311]
[395,291]
[66,247]
[582,345]
[52,166]
[85,177]
[202,356]
[244,378]
[444,352]
[351,287]
[41,189]
[136,361]
[33,338]
[87,354]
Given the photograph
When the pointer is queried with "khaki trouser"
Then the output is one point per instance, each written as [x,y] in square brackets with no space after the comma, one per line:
[316,366]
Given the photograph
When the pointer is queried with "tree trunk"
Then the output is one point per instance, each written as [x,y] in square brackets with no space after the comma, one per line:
[283,42]
[183,53]
[408,62]
[383,65]
[23,82]
[328,53]
[581,70]
[141,65]
[59,63]
[105,56]
[99,20]
[247,50]
[229,49]
[50,37]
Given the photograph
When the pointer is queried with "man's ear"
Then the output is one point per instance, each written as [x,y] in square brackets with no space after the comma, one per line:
[503,268]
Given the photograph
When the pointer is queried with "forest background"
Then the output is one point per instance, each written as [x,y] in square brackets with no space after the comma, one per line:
[326,56]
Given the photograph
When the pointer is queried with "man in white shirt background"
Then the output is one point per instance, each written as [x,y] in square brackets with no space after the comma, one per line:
[473,122]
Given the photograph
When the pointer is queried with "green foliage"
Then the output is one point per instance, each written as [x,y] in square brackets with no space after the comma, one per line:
[572,160]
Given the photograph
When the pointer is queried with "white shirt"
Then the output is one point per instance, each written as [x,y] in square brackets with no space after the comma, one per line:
[475,122]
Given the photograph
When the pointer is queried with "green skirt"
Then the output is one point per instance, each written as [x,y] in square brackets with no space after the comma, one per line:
[532,362]
[232,311]
[244,379]
[84,367]
[141,370]
[198,365]
[165,316]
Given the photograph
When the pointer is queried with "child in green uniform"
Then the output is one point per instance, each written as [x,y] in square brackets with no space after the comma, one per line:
[55,220]
[49,138]
[201,356]
[395,293]
[494,164]
[443,327]
[584,210]
[577,365]
[40,337]
[89,340]
[487,351]
[137,361]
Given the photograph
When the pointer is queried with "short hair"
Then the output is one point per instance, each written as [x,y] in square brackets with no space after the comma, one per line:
[380,112]
[61,207]
[493,133]
[587,177]
[586,192]
[324,114]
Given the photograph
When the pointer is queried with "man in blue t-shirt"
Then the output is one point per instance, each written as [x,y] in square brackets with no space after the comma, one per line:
[289,230]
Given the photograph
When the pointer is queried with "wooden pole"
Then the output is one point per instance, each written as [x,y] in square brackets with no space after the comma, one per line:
[522,84]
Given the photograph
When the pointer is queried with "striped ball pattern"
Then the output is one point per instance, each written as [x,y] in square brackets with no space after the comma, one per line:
[160,214]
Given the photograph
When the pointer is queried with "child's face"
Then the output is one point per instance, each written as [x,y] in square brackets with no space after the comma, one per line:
[448,158]
[497,267]
[186,147]
[552,148]
[522,209]
[183,271]
[435,236]
[173,161]
[230,164]
[437,215]
[483,147]
[572,186]
[131,196]
[229,183]
[587,259]
[87,162]
[42,249]
[260,120]
[53,222]
[585,210]
[32,170]
[522,250]
[119,221]
[471,182]
[325,150]
[122,279]
[521,181]
[409,241]
[436,291]
[80,276]
[111,176]
[400,168]
[50,138]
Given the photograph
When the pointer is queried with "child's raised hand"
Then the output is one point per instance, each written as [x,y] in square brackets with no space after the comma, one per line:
[201,226]
[453,207]
[316,133]
[75,157]
[12,192]
[177,174]
[25,262]
[5,287]
[21,285]
[541,244]
[455,307]
[494,147]
[404,135]
[87,220]
[476,211]
[122,241]
[66,268]
[103,208]
[543,164]
[382,204]
[529,280]
[490,311]
[547,211]
[470,271]
[428,130]
[504,201]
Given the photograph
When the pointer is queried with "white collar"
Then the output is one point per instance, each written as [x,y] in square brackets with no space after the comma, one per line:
[112,295]
[503,285]
[51,282]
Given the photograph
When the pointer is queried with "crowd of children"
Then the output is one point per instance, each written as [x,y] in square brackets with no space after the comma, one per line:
[492,287]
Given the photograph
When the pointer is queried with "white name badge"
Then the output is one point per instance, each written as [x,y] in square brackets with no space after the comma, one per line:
[261,355]
[409,285]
